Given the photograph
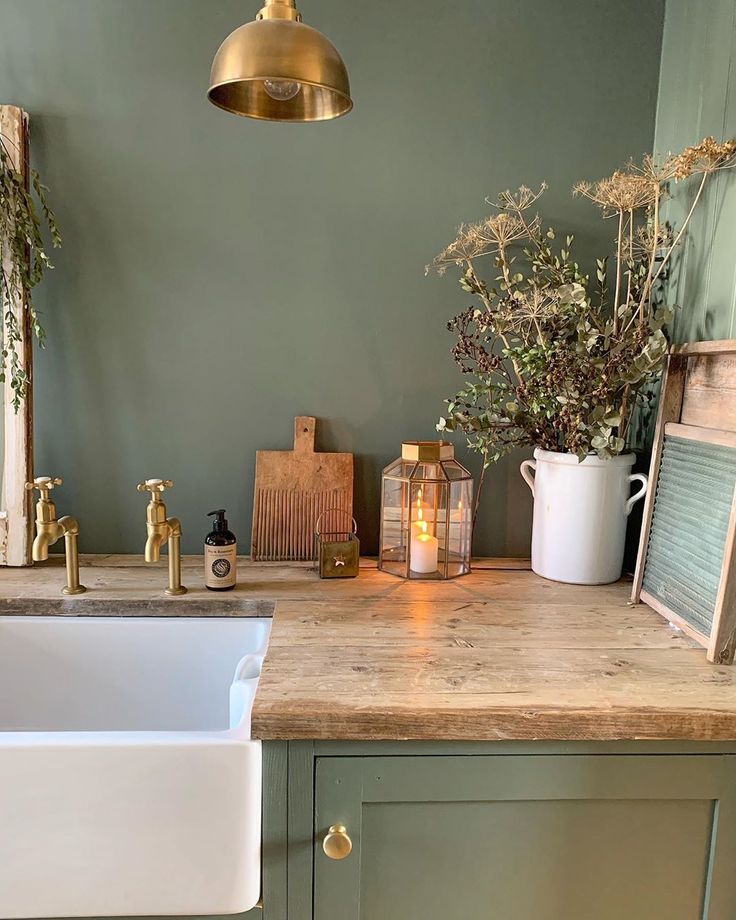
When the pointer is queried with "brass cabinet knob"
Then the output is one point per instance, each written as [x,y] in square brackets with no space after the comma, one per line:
[337,844]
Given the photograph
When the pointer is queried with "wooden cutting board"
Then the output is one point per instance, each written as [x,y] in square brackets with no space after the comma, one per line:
[292,489]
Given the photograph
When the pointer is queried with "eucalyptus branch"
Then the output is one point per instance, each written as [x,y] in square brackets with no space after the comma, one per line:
[484,296]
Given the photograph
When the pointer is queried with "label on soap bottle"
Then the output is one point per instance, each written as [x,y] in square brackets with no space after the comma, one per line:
[220,566]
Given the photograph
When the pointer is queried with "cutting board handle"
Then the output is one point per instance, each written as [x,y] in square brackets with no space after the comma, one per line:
[305,428]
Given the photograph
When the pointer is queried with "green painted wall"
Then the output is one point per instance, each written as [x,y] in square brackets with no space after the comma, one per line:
[220,276]
[697,97]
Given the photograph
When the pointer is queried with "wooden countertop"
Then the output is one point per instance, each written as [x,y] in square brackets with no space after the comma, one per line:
[495,655]
[500,654]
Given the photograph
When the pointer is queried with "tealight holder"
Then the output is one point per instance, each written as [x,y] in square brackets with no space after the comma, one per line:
[338,548]
[426,513]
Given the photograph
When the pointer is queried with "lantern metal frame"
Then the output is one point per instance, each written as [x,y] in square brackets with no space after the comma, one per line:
[410,472]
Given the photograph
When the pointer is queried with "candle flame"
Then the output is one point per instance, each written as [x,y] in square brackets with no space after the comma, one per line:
[420,514]
[424,526]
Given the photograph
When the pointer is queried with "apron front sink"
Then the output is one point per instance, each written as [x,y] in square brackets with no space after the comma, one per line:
[129,784]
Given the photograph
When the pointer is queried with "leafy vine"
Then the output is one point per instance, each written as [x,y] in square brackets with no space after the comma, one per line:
[23,262]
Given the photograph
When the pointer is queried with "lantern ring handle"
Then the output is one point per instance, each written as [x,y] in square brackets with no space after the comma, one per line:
[347,514]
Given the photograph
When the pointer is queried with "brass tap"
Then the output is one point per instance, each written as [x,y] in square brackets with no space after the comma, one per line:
[161,529]
[48,531]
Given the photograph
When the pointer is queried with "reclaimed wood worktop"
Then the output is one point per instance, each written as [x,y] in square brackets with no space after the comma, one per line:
[499,654]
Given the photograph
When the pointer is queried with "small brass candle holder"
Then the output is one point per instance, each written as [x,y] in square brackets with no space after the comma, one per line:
[338,547]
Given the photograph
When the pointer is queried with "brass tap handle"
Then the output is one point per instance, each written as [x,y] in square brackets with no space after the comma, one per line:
[336,843]
[159,529]
[155,486]
[44,484]
[49,530]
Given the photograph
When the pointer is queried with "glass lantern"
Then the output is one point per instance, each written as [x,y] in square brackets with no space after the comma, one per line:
[426,513]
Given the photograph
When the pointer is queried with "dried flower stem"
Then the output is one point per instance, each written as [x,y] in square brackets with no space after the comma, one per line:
[479,490]
[619,247]
[631,254]
[646,291]
[677,239]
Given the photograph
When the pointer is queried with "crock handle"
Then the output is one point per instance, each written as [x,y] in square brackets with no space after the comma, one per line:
[644,480]
[526,469]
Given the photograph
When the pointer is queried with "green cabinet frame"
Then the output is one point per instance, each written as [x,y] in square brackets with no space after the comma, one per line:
[536,830]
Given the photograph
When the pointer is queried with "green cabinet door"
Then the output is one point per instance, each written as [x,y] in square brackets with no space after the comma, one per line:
[532,837]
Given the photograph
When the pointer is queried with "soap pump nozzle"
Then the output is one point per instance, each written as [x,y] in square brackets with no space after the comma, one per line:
[219,525]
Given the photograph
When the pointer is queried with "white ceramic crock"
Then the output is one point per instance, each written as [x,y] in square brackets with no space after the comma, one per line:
[580,512]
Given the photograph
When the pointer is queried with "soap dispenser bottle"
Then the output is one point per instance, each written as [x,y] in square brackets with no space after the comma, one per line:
[220,555]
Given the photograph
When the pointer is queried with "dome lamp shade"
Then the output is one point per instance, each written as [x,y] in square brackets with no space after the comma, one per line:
[279,69]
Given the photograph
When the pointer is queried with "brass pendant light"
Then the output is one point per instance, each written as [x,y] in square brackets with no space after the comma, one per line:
[279,69]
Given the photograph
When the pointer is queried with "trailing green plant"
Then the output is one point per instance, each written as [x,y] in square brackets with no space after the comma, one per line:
[556,358]
[23,261]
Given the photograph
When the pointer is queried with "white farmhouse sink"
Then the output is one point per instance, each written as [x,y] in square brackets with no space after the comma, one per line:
[128,781]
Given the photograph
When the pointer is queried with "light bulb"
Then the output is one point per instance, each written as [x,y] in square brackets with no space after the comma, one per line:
[281,90]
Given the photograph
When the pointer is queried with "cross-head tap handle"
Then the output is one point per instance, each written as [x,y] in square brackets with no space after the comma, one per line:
[44,484]
[155,487]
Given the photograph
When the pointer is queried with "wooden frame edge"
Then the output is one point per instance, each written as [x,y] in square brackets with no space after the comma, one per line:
[722,644]
[3,535]
[716,436]
[670,409]
[716,347]
[16,529]
[674,618]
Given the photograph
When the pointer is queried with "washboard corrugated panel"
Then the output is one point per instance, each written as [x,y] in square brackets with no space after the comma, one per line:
[692,509]
[284,521]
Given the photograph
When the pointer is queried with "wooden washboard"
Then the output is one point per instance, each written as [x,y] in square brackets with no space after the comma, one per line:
[292,489]
[686,567]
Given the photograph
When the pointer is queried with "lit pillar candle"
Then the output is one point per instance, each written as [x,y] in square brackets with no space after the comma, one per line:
[424,552]
[423,512]
[419,525]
